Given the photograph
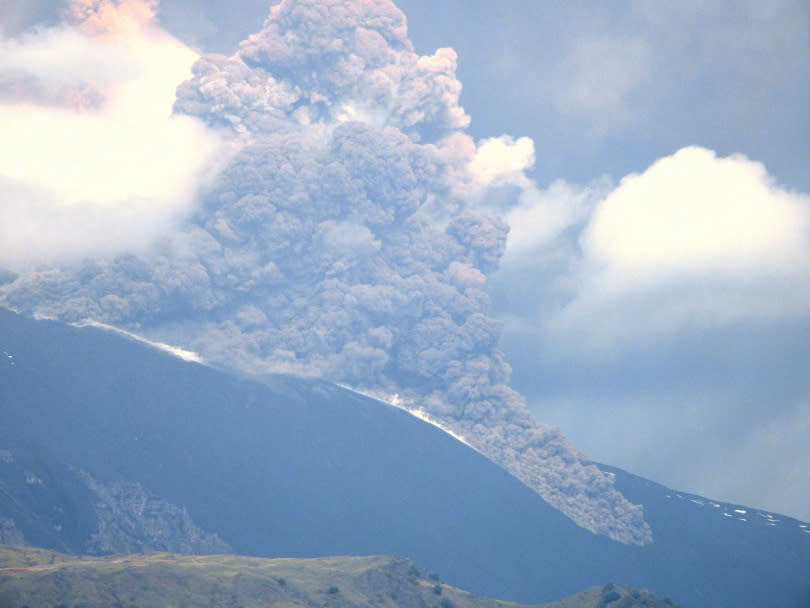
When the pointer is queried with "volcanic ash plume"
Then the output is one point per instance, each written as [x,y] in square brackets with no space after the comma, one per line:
[345,240]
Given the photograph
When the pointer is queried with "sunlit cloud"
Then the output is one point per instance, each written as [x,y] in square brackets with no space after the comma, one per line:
[693,241]
[502,160]
[91,159]
[117,19]
[542,215]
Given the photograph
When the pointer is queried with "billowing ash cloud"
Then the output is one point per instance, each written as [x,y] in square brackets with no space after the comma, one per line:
[340,241]
[111,17]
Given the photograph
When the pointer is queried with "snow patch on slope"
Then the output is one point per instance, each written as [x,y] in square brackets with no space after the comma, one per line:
[398,402]
[182,353]
[740,513]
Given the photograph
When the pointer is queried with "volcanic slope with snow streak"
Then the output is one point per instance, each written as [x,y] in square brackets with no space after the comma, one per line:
[296,467]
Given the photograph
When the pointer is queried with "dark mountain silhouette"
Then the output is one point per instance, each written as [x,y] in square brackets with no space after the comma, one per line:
[302,468]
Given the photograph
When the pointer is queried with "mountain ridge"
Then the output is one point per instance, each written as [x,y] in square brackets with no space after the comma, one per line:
[39,578]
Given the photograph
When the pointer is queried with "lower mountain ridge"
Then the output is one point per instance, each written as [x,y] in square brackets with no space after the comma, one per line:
[108,445]
[34,577]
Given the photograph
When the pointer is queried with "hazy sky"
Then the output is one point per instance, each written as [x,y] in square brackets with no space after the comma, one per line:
[656,283]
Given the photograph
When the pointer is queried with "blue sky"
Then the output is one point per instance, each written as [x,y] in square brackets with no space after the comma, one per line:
[653,163]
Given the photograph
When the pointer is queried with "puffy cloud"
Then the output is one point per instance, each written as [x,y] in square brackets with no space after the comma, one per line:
[502,159]
[51,66]
[694,240]
[338,241]
[91,160]
[542,215]
[696,213]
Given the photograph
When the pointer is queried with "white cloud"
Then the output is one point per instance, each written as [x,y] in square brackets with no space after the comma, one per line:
[542,215]
[501,160]
[694,240]
[697,213]
[536,217]
[76,181]
[61,55]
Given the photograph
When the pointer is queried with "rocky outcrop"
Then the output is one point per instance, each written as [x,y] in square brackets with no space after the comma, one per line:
[48,504]
[9,534]
[132,520]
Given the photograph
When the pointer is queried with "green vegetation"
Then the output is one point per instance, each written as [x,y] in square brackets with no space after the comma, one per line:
[36,577]
[612,596]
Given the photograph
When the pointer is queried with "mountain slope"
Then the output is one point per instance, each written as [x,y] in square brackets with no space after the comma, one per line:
[297,468]
[760,555]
